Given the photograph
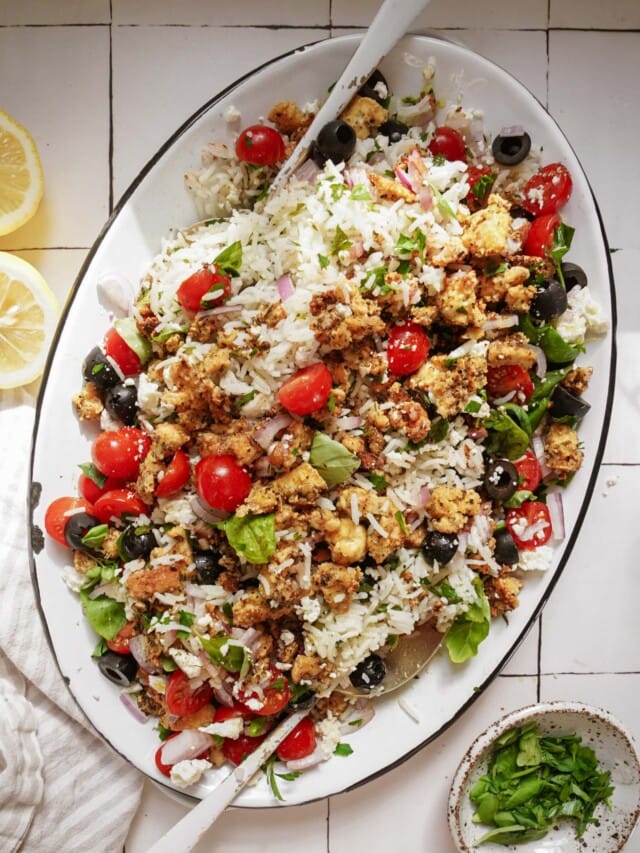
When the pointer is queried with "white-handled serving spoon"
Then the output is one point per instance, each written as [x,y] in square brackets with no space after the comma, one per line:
[392,21]
[409,657]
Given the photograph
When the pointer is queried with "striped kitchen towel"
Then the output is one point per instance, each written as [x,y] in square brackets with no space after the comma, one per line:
[73,792]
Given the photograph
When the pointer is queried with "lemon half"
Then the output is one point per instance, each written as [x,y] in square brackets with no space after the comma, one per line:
[28,316]
[21,178]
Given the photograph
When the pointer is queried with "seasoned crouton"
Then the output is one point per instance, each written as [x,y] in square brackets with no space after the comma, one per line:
[502,593]
[364,115]
[289,118]
[144,583]
[577,380]
[88,403]
[390,188]
[307,668]
[494,288]
[562,450]
[488,230]
[512,349]
[451,384]
[451,508]
[337,584]
[338,324]
[252,607]
[410,418]
[457,301]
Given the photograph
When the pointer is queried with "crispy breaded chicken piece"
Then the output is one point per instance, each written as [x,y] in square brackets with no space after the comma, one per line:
[562,450]
[450,385]
[451,508]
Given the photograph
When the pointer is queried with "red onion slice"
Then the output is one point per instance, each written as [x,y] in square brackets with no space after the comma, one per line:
[512,130]
[403,178]
[349,422]
[139,649]
[425,495]
[556,514]
[426,199]
[188,744]
[285,287]
[307,172]
[265,434]
[220,309]
[204,512]
[541,360]
[309,761]
[538,448]
[500,400]
[132,707]
[504,322]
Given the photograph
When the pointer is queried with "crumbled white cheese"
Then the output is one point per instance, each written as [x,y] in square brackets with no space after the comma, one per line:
[329,731]
[228,728]
[73,579]
[108,422]
[188,663]
[232,114]
[536,559]
[158,683]
[187,773]
[583,318]
[309,609]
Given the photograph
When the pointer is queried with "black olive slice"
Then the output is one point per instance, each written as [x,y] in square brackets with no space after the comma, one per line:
[336,142]
[97,369]
[121,401]
[574,275]
[77,526]
[505,552]
[121,669]
[501,479]
[440,547]
[549,302]
[564,403]
[135,542]
[510,150]
[369,673]
[369,90]
[395,130]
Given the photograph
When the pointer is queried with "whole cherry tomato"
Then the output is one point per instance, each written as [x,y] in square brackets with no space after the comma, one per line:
[118,453]
[299,743]
[260,145]
[407,349]
[58,513]
[221,482]
[448,142]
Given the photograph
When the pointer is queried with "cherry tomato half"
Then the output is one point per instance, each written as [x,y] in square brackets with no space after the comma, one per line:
[120,643]
[236,750]
[275,699]
[221,482]
[540,236]
[120,351]
[165,769]
[479,189]
[90,490]
[182,699]
[175,476]
[509,377]
[260,145]
[118,453]
[407,349]
[299,743]
[548,190]
[223,712]
[118,503]
[449,143]
[58,513]
[529,525]
[308,390]
[205,282]
[528,469]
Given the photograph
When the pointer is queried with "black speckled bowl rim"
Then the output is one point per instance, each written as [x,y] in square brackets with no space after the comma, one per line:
[36,537]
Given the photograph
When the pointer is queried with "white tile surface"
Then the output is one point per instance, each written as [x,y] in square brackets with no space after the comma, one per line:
[598,112]
[590,623]
[252,12]
[45,12]
[499,14]
[67,113]
[622,14]
[153,98]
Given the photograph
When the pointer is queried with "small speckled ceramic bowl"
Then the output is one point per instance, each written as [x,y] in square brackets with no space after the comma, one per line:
[616,752]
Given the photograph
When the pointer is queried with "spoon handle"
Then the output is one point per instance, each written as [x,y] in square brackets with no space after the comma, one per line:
[389,25]
[188,831]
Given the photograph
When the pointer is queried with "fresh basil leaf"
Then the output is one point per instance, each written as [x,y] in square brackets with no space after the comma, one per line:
[340,241]
[332,460]
[343,749]
[378,481]
[505,438]
[323,260]
[562,239]
[556,348]
[251,536]
[543,388]
[519,415]
[105,615]
[89,470]
[163,733]
[100,649]
[229,260]
[470,628]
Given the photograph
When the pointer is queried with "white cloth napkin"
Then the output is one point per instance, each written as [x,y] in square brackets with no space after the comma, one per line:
[61,786]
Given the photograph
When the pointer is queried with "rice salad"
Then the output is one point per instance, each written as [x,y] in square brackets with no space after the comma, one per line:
[333,413]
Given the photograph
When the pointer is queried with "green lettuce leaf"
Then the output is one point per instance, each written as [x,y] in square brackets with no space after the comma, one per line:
[251,536]
[332,460]
[105,615]
[506,438]
[469,629]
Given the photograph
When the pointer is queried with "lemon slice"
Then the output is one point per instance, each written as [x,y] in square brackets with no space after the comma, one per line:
[21,178]
[28,315]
